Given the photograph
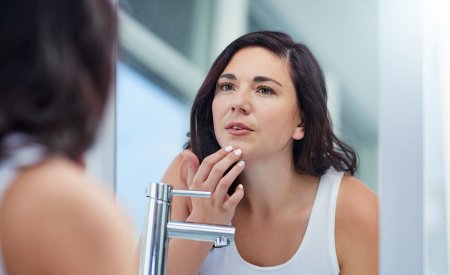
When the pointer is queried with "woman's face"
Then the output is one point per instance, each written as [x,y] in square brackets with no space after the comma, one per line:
[255,105]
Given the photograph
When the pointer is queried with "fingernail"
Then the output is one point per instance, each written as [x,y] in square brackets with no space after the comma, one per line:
[240,186]
[228,148]
[241,163]
[238,152]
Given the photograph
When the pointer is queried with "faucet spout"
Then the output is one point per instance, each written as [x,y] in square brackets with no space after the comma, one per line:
[200,232]
[158,229]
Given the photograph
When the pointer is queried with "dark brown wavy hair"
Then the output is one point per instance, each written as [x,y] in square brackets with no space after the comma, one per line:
[320,149]
[56,65]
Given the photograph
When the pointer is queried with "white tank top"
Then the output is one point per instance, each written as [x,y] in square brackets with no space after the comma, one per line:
[316,254]
[20,153]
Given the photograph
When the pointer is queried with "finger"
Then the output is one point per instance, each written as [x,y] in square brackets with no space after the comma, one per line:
[234,199]
[219,169]
[224,184]
[193,164]
[208,163]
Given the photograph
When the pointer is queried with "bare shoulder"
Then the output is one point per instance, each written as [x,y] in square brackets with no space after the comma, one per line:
[176,175]
[61,222]
[356,231]
[356,201]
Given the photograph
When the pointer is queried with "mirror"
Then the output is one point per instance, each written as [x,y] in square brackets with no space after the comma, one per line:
[166,48]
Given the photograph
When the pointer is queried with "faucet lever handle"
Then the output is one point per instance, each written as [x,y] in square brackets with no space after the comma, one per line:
[191,193]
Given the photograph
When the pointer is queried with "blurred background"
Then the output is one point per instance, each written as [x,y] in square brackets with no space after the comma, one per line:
[379,78]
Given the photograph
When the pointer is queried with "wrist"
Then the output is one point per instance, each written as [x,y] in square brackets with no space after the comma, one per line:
[197,218]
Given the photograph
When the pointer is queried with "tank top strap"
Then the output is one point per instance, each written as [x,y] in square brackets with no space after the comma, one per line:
[321,227]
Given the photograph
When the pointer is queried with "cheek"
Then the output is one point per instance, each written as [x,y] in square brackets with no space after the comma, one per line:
[216,110]
[214,106]
[282,122]
[216,115]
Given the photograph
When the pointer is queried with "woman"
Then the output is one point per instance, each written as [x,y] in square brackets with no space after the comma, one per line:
[56,65]
[262,143]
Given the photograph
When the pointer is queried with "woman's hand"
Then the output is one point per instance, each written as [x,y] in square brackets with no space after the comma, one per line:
[209,176]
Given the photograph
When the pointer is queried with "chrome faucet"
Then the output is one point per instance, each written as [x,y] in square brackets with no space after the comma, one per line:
[158,229]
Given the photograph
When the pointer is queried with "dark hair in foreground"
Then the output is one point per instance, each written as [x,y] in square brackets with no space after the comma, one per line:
[56,65]
[320,149]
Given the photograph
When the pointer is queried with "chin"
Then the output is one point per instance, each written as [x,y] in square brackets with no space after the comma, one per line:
[236,142]
[238,145]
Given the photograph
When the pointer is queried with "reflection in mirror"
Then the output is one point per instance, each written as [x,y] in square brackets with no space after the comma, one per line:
[172,44]
[168,46]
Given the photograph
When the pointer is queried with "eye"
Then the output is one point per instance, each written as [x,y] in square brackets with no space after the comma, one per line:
[266,91]
[225,86]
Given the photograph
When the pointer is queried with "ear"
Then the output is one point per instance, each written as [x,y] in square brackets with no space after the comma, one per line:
[299,132]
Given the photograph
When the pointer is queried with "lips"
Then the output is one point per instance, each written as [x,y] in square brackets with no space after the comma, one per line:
[238,128]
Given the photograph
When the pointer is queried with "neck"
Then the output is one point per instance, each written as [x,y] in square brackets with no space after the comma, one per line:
[272,184]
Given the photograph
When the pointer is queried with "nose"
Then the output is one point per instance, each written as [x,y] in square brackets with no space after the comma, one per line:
[240,103]
[239,109]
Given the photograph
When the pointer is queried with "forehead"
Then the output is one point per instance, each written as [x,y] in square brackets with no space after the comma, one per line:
[259,61]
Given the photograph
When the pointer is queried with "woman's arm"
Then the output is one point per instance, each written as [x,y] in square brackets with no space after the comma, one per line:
[357,228]
[181,256]
[185,256]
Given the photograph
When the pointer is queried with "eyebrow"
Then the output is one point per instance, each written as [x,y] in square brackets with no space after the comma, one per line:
[255,79]
[263,79]
[229,76]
